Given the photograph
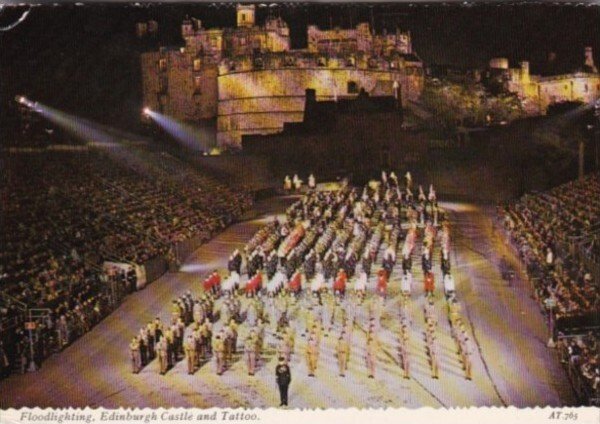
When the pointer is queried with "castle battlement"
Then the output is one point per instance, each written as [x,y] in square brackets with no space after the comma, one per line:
[359,38]
[306,60]
[571,76]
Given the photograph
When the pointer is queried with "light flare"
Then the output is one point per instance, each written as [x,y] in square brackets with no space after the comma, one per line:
[189,136]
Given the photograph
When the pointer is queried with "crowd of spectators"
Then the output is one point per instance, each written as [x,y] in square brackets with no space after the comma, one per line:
[66,212]
[543,226]
[555,233]
[581,357]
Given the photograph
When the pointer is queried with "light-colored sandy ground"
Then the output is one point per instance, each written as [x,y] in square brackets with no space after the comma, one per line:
[512,365]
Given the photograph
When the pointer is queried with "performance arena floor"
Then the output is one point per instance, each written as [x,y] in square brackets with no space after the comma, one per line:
[512,365]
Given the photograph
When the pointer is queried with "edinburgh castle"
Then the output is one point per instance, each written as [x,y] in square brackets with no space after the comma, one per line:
[248,80]
[251,81]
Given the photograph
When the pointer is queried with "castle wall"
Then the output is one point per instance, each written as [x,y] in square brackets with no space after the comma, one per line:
[205,42]
[277,42]
[577,87]
[177,88]
[261,101]
[149,64]
[540,93]
[247,41]
[377,138]
[252,100]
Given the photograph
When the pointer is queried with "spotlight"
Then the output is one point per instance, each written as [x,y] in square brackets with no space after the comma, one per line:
[146,111]
[21,99]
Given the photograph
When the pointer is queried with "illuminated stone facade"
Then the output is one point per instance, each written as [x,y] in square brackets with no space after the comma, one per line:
[252,82]
[540,92]
[361,38]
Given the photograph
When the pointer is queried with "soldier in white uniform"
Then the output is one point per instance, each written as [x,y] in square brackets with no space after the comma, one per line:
[406,284]
[317,283]
[136,357]
[449,287]
[250,347]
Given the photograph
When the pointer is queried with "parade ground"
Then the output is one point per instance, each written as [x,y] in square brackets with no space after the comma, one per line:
[511,363]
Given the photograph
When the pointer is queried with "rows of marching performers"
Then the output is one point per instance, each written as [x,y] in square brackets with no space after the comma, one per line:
[332,238]
[327,247]
[281,317]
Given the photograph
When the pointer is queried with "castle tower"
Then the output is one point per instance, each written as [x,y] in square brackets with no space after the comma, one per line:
[589,60]
[245,15]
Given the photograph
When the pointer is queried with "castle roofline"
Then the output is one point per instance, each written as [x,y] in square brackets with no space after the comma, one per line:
[304,53]
[365,25]
[252,29]
[280,24]
[570,75]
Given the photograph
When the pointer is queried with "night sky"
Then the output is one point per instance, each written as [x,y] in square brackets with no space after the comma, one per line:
[85,59]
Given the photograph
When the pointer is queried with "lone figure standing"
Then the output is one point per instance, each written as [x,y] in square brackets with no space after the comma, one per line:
[284,377]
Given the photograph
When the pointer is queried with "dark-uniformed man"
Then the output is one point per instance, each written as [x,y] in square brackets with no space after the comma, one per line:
[150,332]
[143,338]
[284,377]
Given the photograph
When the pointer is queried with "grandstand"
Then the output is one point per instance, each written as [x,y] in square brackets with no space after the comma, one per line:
[72,212]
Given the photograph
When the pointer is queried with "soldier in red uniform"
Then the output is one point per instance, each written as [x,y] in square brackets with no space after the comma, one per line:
[206,284]
[339,285]
[382,282]
[213,283]
[216,282]
[254,284]
[429,283]
[295,284]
